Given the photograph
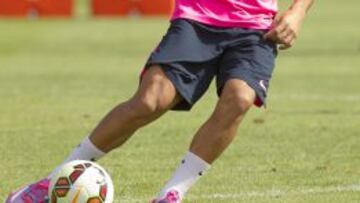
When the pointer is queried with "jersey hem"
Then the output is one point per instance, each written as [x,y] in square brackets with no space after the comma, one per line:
[224,24]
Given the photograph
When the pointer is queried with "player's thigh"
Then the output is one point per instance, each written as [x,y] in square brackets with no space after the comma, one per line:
[253,63]
[156,89]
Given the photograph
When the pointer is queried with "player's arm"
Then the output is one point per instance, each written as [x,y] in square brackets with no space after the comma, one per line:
[286,26]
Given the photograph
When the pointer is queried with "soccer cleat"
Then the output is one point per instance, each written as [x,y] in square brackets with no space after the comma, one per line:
[34,193]
[171,197]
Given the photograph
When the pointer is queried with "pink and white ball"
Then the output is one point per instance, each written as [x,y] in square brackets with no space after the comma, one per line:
[81,182]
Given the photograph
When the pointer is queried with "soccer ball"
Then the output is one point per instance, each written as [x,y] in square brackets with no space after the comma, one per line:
[81,182]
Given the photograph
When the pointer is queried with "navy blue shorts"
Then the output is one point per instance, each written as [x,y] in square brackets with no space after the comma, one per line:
[192,54]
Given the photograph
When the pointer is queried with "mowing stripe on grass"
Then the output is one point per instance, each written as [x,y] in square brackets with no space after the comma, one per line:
[268,193]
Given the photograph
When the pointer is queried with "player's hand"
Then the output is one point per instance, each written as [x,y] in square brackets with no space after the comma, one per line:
[285,28]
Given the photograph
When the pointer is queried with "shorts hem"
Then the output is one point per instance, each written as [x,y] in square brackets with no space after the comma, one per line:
[260,100]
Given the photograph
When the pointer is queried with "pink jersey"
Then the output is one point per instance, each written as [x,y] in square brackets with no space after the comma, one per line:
[253,14]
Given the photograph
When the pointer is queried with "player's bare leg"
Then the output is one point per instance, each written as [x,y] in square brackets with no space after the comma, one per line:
[211,140]
[154,97]
[219,131]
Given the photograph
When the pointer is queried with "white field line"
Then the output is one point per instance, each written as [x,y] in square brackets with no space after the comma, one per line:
[268,193]
[312,97]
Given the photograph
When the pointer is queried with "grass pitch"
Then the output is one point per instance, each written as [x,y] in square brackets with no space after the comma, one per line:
[58,78]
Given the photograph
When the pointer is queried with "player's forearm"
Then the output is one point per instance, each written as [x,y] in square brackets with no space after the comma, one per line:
[301,6]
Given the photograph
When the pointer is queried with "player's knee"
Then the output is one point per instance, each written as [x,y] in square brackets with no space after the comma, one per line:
[238,103]
[156,94]
[144,107]
[147,106]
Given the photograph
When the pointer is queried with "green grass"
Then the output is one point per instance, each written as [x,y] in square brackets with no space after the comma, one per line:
[59,77]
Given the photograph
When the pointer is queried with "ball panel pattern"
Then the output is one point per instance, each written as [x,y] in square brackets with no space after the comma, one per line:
[81,182]
[94,200]
[80,167]
[103,192]
[62,187]
[53,197]
[75,175]
[63,181]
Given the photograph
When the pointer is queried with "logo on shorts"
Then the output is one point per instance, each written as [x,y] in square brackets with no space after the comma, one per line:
[263,85]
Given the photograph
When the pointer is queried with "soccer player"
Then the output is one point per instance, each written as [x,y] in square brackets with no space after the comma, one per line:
[234,41]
